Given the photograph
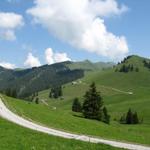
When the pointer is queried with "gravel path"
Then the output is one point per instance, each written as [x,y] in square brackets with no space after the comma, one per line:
[7,114]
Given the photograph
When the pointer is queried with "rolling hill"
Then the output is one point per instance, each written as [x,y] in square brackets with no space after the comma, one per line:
[120,91]
[28,81]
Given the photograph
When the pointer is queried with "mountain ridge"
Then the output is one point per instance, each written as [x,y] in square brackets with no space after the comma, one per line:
[30,80]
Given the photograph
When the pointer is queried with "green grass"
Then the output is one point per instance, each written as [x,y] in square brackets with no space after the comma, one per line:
[62,118]
[117,103]
[14,137]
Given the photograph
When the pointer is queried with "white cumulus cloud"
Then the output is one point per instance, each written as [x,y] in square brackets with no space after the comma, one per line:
[49,56]
[7,65]
[81,24]
[9,22]
[32,61]
[52,57]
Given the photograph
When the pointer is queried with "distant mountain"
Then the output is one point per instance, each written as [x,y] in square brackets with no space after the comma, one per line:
[90,66]
[28,81]
[31,80]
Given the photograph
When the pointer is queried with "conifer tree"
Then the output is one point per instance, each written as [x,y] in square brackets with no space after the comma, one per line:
[56,92]
[76,106]
[123,119]
[37,100]
[129,117]
[92,106]
[135,118]
[106,117]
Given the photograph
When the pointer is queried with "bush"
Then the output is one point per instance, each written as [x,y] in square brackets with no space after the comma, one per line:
[76,106]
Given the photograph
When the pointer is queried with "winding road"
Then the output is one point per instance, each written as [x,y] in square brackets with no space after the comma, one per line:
[10,116]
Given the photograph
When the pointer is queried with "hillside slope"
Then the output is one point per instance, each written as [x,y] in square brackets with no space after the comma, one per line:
[120,91]
[28,81]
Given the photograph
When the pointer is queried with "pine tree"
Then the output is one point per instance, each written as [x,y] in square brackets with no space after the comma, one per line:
[8,92]
[56,92]
[51,94]
[13,93]
[60,91]
[135,118]
[37,94]
[137,69]
[76,106]
[92,106]
[131,68]
[106,117]
[123,119]
[37,100]
[129,117]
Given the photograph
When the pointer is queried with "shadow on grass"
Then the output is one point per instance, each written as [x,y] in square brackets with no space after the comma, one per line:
[78,115]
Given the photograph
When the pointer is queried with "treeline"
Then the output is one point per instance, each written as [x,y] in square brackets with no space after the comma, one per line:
[127,68]
[146,64]
[37,79]
[33,98]
[92,107]
[125,60]
[56,92]
[10,92]
[130,118]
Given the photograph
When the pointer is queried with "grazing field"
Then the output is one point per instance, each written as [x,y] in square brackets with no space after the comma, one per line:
[58,114]
[120,91]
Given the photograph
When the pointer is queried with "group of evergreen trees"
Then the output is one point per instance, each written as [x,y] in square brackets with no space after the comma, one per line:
[146,63]
[130,118]
[125,60]
[127,68]
[33,98]
[11,92]
[56,92]
[92,107]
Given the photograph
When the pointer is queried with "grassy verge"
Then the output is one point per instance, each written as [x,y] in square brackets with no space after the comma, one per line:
[14,137]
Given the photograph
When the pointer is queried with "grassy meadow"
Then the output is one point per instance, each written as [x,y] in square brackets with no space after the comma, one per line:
[114,87]
[14,137]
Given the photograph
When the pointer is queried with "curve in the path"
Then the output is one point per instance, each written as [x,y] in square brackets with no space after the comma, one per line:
[7,114]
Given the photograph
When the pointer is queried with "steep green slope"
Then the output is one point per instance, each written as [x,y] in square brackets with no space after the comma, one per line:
[35,79]
[28,81]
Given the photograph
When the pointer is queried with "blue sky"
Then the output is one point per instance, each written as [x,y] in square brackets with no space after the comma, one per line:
[36,43]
